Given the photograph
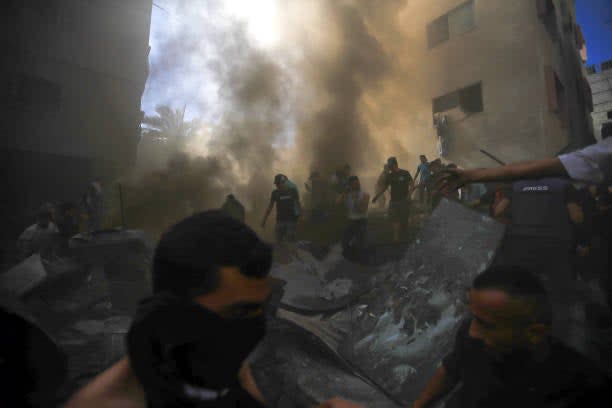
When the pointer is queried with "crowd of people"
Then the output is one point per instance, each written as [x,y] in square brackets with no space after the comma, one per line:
[342,197]
[189,343]
[57,222]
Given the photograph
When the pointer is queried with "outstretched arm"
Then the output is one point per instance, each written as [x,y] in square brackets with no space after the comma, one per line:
[381,192]
[268,210]
[452,179]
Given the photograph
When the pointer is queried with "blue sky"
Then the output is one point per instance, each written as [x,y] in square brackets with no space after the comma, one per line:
[595,18]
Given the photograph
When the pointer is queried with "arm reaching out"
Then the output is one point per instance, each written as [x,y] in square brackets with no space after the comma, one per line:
[452,179]
[265,218]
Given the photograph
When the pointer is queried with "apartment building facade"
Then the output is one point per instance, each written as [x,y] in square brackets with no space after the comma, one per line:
[601,85]
[73,75]
[506,77]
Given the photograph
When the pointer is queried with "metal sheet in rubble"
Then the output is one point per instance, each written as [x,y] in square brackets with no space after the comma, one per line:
[294,371]
[399,332]
[318,285]
[24,276]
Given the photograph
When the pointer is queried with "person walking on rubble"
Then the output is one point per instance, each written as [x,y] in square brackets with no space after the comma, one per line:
[356,202]
[286,201]
[401,183]
[424,171]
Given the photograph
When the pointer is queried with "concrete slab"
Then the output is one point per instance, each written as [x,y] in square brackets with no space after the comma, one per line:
[316,285]
[396,329]
[24,277]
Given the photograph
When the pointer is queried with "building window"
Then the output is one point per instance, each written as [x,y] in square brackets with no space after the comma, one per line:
[609,114]
[468,99]
[456,22]
[556,95]
[437,31]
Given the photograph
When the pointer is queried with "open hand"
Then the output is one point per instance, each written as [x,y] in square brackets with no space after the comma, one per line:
[451,179]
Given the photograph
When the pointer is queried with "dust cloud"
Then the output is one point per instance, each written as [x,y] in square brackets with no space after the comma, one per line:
[341,87]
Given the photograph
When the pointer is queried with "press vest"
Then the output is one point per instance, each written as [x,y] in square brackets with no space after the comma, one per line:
[539,209]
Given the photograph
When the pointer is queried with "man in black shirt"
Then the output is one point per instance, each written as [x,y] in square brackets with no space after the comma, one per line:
[504,355]
[401,183]
[287,201]
[188,343]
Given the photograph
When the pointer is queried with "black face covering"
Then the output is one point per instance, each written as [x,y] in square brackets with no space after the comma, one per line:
[181,352]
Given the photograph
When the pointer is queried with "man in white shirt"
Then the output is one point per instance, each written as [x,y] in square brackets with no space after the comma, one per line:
[37,237]
[592,164]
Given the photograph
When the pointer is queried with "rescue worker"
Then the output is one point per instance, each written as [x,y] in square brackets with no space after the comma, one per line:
[356,202]
[401,183]
[286,200]
[546,221]
[233,208]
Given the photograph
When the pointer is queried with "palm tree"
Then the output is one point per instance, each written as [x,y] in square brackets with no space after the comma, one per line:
[169,126]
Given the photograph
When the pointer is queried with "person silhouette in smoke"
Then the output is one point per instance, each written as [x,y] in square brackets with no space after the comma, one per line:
[287,201]
[356,202]
[188,343]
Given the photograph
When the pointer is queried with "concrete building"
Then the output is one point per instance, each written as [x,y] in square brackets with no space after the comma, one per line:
[504,76]
[601,84]
[73,75]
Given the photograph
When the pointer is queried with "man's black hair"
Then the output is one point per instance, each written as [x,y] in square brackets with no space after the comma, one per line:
[230,197]
[391,160]
[188,256]
[519,284]
[352,178]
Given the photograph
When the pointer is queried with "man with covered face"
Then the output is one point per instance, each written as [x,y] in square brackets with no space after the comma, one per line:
[504,355]
[188,344]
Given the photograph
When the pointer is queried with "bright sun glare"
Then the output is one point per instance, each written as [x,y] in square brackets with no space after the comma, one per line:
[261,17]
